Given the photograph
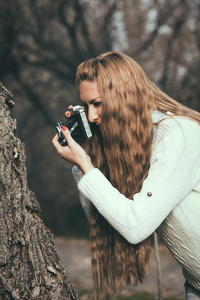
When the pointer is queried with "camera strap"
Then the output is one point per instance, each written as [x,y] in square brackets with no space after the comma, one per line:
[73,127]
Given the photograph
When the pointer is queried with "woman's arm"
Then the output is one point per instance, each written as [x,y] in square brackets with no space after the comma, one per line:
[174,174]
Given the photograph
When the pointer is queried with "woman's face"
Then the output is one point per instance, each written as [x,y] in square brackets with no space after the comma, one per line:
[91,99]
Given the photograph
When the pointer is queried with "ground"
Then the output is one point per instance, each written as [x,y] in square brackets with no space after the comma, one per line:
[75,255]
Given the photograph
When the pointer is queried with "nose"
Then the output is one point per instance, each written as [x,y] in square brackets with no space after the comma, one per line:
[92,114]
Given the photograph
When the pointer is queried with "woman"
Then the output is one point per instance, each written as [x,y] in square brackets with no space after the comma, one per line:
[140,174]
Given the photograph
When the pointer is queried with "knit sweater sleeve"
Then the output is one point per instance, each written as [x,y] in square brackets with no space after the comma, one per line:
[173,174]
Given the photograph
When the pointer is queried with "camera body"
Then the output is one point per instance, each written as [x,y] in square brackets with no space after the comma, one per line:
[78,125]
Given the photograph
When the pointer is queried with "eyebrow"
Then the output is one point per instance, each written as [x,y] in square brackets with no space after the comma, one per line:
[92,101]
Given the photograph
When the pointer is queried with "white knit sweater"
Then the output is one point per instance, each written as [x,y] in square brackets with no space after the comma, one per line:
[169,201]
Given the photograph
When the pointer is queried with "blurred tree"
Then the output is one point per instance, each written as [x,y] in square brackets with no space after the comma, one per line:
[164,37]
[43,42]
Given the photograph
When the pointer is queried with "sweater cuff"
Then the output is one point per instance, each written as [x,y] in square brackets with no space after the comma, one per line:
[78,174]
[96,187]
[90,178]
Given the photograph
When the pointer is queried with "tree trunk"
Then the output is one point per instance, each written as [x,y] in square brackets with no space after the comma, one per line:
[29,266]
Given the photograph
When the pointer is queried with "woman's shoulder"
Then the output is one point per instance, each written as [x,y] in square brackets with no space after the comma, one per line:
[178,124]
[176,132]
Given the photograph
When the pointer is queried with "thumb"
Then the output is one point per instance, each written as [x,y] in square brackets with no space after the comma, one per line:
[67,135]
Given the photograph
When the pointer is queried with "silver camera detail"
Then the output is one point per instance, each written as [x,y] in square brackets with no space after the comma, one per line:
[78,125]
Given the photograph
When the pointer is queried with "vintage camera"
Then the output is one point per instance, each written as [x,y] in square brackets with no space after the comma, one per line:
[78,125]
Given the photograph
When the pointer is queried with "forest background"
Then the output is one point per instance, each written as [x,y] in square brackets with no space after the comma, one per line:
[41,44]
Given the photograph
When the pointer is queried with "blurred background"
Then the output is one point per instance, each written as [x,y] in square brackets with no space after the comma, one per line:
[41,44]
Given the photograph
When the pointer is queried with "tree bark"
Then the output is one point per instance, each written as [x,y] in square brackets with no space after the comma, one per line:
[29,265]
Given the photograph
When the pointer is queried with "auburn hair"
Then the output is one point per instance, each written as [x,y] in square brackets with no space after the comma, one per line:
[122,151]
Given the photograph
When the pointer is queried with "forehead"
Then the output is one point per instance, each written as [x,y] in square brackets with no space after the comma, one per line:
[88,90]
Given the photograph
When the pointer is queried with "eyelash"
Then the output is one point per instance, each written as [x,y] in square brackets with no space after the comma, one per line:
[97,104]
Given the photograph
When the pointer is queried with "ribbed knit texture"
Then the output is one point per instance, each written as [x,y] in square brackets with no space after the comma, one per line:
[169,200]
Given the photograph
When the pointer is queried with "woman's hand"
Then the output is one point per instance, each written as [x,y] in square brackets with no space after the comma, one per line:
[73,152]
[68,112]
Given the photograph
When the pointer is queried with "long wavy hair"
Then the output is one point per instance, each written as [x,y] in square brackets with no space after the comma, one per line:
[122,151]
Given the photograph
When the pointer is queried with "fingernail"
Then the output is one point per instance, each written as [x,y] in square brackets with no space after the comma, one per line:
[64,128]
[68,114]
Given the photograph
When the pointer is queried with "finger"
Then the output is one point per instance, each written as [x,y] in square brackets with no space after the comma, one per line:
[55,138]
[68,114]
[70,107]
[67,136]
[56,143]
